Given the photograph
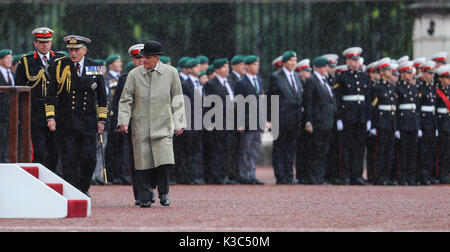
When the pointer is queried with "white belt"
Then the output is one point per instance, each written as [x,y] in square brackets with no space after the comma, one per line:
[442,110]
[407,106]
[387,107]
[353,98]
[424,108]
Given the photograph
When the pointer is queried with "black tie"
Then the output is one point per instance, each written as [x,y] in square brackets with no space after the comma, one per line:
[78,68]
[294,87]
[9,77]
[46,61]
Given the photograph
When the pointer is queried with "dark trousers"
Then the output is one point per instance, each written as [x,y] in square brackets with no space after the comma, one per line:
[370,144]
[384,156]
[444,157]
[45,149]
[353,143]
[232,149]
[117,158]
[303,156]
[208,157]
[151,179]
[427,155]
[178,173]
[78,156]
[284,149]
[215,170]
[195,165]
[334,167]
[249,148]
[319,160]
[4,142]
[407,157]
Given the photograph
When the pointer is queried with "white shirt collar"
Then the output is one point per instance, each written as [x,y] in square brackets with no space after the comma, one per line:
[319,76]
[42,55]
[288,73]
[193,78]
[183,75]
[237,74]
[222,80]
[114,74]
[250,76]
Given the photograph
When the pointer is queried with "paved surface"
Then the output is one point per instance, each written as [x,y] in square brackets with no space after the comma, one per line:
[269,208]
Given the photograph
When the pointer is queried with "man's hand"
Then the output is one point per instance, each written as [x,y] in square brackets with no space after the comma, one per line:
[51,124]
[100,127]
[309,128]
[123,128]
[179,132]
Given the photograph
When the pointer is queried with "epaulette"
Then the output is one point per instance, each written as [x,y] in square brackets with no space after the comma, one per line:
[61,58]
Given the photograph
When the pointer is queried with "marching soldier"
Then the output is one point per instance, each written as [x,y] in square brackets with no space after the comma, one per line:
[76,105]
[443,109]
[277,63]
[408,124]
[384,123]
[33,71]
[427,143]
[353,115]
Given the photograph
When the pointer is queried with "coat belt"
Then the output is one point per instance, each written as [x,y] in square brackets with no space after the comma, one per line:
[407,106]
[353,98]
[425,108]
[386,107]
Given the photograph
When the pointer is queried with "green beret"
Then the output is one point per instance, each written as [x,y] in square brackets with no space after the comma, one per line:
[210,69]
[192,63]
[203,59]
[201,74]
[99,61]
[237,59]
[129,66]
[287,55]
[320,62]
[16,58]
[164,59]
[251,59]
[181,62]
[178,69]
[111,59]
[218,63]
[5,52]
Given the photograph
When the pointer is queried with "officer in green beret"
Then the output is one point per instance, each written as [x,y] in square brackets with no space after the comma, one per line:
[183,70]
[204,62]
[165,60]
[319,114]
[210,73]
[287,85]
[218,138]
[249,140]
[6,79]
[114,66]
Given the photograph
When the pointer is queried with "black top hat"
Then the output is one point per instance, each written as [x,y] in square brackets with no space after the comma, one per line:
[152,47]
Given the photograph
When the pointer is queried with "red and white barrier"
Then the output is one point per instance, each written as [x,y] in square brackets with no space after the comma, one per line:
[30,190]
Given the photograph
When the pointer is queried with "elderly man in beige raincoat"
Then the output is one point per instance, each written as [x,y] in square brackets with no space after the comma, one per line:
[152,105]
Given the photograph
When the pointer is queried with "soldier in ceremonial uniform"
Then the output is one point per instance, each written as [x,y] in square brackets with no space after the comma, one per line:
[353,116]
[408,125]
[303,155]
[384,123]
[441,59]
[76,105]
[371,138]
[443,109]
[277,63]
[427,110]
[33,71]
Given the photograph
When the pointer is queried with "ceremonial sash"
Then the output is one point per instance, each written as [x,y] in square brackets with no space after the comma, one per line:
[444,98]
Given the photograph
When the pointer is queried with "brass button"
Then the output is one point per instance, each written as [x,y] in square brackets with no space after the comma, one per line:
[73,108]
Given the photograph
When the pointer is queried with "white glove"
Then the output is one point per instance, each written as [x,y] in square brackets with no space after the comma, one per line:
[373,132]
[437,132]
[340,125]
[397,134]
[420,133]
[368,125]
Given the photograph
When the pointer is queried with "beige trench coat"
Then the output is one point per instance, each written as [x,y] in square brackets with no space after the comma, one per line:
[155,103]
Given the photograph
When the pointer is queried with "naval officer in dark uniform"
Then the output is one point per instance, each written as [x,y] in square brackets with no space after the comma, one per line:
[76,105]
